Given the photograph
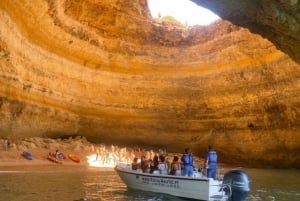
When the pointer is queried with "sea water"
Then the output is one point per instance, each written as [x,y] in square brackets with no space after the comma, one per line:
[59,183]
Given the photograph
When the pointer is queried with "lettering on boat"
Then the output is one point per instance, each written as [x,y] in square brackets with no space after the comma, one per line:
[170,183]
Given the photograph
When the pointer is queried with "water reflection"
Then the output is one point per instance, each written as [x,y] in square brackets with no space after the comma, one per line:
[274,184]
[107,185]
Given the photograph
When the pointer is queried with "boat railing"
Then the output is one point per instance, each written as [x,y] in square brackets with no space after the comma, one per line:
[196,174]
[202,168]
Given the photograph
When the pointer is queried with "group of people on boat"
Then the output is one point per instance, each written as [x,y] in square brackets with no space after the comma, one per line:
[185,166]
[157,164]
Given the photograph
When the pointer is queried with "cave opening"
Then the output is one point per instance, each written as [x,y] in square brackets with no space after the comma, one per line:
[185,12]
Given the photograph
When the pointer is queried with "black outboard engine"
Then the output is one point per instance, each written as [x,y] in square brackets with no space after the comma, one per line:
[239,183]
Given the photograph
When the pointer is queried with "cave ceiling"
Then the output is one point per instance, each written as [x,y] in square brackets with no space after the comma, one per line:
[276,20]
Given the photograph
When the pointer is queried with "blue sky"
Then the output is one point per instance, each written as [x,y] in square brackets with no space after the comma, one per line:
[184,11]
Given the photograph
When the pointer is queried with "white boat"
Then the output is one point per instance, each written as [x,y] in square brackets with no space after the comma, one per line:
[234,186]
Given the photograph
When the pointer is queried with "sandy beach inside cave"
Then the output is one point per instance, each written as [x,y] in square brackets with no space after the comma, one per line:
[13,160]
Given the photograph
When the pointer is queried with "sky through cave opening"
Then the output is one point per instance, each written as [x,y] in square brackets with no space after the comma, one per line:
[185,11]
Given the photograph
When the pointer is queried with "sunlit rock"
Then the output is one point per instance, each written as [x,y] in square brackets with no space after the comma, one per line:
[107,71]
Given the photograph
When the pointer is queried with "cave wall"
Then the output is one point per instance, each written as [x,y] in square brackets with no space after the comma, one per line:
[107,71]
[278,21]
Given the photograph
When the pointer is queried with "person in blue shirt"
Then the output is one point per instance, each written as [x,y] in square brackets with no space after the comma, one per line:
[188,162]
[211,162]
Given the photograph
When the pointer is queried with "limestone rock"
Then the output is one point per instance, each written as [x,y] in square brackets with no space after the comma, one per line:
[107,71]
[279,21]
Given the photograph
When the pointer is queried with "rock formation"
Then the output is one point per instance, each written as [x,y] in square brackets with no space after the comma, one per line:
[107,71]
[279,21]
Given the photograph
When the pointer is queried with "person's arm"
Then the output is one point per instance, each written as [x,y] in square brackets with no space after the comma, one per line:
[207,160]
[193,160]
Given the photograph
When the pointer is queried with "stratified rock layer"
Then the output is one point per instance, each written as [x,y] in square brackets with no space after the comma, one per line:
[107,71]
[279,21]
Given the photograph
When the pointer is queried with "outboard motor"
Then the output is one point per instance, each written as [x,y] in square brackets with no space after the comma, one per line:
[239,183]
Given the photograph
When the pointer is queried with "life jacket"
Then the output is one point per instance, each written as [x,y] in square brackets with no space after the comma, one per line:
[187,159]
[212,157]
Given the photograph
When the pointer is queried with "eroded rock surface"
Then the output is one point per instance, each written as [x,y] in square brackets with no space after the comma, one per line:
[107,71]
[279,21]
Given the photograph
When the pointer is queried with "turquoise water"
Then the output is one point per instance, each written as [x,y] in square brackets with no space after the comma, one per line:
[96,184]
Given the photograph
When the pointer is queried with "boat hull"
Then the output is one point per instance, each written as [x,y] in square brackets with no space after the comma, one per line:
[74,158]
[27,155]
[181,186]
[53,159]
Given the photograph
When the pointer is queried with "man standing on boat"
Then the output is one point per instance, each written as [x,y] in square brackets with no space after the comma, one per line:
[211,162]
[188,161]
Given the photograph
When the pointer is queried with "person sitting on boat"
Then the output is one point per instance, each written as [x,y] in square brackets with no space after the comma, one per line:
[162,165]
[145,164]
[137,153]
[154,164]
[175,167]
[188,162]
[135,164]
[211,162]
